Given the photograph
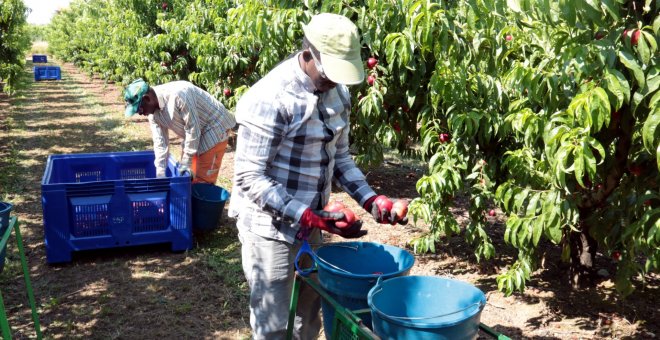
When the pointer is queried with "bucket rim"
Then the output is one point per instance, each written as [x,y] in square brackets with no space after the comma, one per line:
[7,207]
[222,192]
[480,304]
[343,273]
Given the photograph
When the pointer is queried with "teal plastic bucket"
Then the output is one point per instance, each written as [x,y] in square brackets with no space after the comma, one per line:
[208,201]
[426,307]
[5,210]
[348,270]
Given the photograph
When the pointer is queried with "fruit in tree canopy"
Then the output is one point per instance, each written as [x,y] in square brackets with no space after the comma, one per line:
[492,212]
[634,38]
[444,137]
[635,170]
[371,79]
[227,92]
[372,62]
[509,37]
[349,218]
[616,256]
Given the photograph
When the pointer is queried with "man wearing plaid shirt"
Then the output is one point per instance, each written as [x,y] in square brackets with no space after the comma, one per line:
[292,143]
[192,114]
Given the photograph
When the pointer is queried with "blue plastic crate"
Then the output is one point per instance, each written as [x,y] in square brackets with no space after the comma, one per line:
[39,58]
[47,73]
[108,200]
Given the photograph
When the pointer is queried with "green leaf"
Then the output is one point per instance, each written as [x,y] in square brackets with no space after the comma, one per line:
[629,61]
[612,8]
[568,10]
[650,131]
[643,50]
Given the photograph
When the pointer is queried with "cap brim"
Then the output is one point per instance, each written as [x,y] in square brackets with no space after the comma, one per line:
[341,71]
[130,110]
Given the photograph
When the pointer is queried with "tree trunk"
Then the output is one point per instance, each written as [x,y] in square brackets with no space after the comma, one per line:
[583,253]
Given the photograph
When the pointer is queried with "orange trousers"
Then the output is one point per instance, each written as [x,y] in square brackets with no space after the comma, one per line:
[206,166]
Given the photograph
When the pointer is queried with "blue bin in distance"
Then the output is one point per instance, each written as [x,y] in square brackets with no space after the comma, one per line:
[348,270]
[426,307]
[208,202]
[5,210]
[39,58]
[47,73]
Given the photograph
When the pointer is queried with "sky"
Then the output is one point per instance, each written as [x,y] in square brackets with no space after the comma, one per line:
[43,10]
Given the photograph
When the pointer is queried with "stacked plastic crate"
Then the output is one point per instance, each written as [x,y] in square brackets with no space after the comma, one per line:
[47,72]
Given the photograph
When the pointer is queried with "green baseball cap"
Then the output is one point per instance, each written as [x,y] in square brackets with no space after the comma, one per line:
[337,39]
[133,95]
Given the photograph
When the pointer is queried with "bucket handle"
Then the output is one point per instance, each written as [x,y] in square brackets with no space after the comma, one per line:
[305,249]
[333,266]
[478,303]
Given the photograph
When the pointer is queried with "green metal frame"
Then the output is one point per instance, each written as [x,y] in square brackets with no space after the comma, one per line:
[4,323]
[344,318]
[347,318]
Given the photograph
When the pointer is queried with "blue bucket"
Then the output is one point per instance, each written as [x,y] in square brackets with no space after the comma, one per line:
[348,270]
[5,209]
[208,201]
[426,307]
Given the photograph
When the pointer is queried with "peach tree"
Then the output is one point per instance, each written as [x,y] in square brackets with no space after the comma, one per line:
[548,109]
[14,42]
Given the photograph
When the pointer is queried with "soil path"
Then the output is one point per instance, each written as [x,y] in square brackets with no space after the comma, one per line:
[150,292]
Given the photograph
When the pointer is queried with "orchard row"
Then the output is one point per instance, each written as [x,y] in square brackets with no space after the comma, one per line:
[548,109]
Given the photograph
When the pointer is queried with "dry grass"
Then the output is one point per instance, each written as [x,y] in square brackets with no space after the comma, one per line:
[39,47]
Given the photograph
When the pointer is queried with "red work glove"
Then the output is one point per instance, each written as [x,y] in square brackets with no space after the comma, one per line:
[380,208]
[326,220]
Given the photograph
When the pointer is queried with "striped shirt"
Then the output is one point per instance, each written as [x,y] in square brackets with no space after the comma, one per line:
[292,143]
[192,114]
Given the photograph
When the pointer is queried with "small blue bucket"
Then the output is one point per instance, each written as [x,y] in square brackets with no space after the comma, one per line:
[208,201]
[426,307]
[348,270]
[5,210]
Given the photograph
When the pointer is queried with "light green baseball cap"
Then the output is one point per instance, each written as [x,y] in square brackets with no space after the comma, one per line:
[338,41]
[133,95]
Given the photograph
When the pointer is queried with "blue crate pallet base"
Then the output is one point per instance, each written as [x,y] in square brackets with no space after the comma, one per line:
[96,201]
[47,73]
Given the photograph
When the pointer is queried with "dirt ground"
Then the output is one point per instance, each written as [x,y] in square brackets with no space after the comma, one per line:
[150,292]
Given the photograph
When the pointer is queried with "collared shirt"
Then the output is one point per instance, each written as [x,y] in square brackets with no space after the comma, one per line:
[192,114]
[292,143]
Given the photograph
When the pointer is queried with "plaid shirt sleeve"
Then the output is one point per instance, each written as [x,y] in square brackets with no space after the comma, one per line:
[346,174]
[161,144]
[191,127]
[261,132]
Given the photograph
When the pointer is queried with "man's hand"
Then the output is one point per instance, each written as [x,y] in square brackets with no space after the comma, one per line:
[160,173]
[184,169]
[326,220]
[380,208]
